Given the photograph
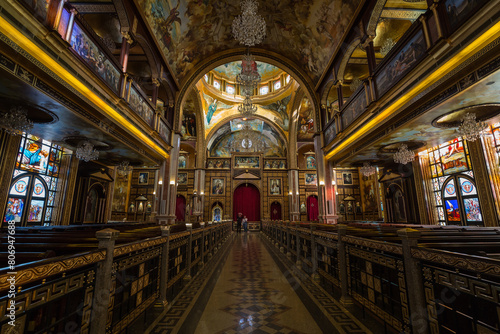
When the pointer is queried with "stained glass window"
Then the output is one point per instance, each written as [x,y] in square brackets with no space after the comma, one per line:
[453,184]
[32,194]
[277,84]
[230,89]
[264,90]
[217,84]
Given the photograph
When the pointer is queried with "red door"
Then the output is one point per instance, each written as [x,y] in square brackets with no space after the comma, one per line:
[246,200]
[312,208]
[180,208]
[275,211]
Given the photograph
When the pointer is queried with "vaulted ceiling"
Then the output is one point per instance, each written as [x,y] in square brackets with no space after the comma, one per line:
[305,32]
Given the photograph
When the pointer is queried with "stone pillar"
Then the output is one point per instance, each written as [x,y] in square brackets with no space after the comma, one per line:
[293,194]
[482,179]
[103,281]
[340,94]
[320,170]
[162,299]
[420,190]
[414,284]
[126,42]
[345,298]
[199,188]
[69,191]
[172,181]
[9,146]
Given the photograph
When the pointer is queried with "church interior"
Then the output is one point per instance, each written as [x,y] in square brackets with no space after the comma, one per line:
[280,166]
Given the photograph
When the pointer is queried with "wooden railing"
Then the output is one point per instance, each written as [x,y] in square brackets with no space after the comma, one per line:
[391,271]
[107,287]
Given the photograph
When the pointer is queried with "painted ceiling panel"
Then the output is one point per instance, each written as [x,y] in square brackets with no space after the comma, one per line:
[307,32]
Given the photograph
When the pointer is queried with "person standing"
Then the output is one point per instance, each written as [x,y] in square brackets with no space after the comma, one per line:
[245,224]
[239,220]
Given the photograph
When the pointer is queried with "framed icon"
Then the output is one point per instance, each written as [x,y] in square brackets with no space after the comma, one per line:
[217,186]
[275,187]
[143,178]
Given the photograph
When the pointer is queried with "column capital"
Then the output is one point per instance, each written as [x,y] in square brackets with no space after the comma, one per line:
[127,37]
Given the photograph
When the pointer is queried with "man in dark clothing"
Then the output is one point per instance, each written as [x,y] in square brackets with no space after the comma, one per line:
[238,222]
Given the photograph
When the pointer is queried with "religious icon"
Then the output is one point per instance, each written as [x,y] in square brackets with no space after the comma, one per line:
[342,208]
[311,162]
[217,186]
[143,178]
[347,178]
[275,187]
[303,208]
[311,179]
[182,161]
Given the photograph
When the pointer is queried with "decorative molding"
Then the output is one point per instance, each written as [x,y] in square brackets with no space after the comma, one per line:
[379,245]
[371,29]
[402,14]
[84,8]
[37,273]
[466,262]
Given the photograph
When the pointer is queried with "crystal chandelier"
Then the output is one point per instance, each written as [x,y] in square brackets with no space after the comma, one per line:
[86,152]
[16,121]
[124,168]
[247,140]
[403,155]
[470,129]
[249,77]
[368,170]
[249,28]
[387,46]
[247,108]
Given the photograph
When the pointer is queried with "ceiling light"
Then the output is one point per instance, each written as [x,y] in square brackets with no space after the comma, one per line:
[249,28]
[86,152]
[16,121]
[470,129]
[124,168]
[368,170]
[403,155]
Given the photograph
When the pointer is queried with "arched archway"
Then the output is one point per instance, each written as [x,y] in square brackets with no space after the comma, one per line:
[312,208]
[180,208]
[95,203]
[276,211]
[246,200]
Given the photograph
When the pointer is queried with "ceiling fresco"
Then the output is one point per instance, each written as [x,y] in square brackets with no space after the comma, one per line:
[230,70]
[215,110]
[420,130]
[219,145]
[307,32]
[306,120]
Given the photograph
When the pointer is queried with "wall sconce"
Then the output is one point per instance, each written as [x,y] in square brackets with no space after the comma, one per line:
[202,193]
[321,183]
[290,193]
[333,183]
[160,182]
[172,182]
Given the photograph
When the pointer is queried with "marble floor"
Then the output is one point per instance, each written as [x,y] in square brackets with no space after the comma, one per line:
[250,290]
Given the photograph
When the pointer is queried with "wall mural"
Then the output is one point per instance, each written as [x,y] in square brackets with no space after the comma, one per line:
[94,57]
[213,105]
[306,32]
[280,107]
[220,144]
[306,120]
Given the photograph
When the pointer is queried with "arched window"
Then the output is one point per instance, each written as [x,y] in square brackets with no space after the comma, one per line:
[461,201]
[32,193]
[453,184]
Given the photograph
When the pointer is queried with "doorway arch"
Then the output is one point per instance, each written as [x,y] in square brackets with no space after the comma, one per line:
[180,208]
[276,211]
[312,208]
[246,200]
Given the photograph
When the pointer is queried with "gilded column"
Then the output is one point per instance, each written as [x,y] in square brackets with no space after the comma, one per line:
[9,146]
[69,189]
[419,189]
[483,183]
